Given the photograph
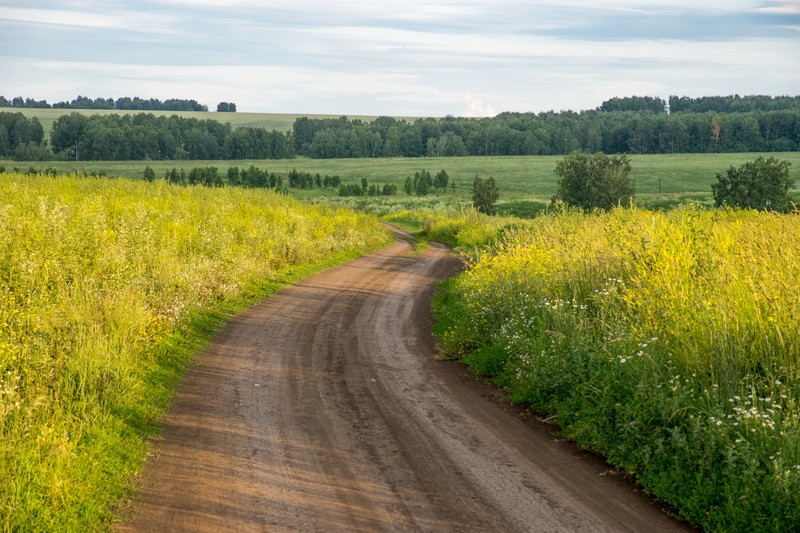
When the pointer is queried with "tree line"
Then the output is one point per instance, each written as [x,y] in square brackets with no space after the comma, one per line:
[703,104]
[145,136]
[551,133]
[256,178]
[619,126]
[125,103]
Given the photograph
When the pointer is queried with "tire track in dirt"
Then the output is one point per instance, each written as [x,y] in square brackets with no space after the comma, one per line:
[323,409]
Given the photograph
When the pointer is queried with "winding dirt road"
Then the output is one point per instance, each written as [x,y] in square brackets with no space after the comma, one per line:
[323,409]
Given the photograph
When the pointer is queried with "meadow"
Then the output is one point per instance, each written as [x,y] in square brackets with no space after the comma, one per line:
[527,183]
[107,289]
[665,341]
[270,121]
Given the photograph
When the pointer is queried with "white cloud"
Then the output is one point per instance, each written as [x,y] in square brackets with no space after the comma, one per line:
[781,8]
[476,107]
[142,22]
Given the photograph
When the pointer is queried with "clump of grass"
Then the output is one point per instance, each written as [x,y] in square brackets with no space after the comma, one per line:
[668,342]
[106,289]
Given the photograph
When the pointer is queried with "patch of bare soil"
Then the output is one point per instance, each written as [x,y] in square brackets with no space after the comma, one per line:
[323,409]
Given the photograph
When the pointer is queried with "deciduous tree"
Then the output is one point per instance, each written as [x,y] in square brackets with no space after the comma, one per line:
[761,184]
[485,194]
[595,181]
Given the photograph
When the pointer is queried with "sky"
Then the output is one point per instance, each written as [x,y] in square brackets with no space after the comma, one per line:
[408,58]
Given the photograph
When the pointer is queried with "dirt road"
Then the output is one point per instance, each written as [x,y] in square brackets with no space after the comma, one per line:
[323,409]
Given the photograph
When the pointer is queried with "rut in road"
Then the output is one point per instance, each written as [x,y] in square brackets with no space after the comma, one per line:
[323,409]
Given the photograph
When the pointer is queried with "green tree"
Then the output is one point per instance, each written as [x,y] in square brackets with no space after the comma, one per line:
[422,183]
[149,174]
[448,144]
[594,181]
[68,133]
[233,176]
[440,181]
[33,152]
[484,195]
[761,184]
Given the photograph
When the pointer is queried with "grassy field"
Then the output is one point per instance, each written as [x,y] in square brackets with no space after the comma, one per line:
[270,121]
[667,342]
[107,289]
[526,182]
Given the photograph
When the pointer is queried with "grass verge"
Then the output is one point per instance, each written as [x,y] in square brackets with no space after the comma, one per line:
[667,342]
[107,288]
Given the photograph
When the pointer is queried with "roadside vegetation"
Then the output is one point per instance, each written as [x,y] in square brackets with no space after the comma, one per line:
[107,289]
[667,342]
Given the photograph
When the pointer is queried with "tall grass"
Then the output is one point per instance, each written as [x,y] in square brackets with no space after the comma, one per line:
[668,342]
[103,285]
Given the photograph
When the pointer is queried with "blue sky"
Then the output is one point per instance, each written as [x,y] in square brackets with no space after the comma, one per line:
[398,57]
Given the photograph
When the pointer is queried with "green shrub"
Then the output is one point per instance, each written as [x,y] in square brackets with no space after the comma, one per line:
[762,184]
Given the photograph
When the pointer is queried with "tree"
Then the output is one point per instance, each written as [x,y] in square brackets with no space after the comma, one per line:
[149,174]
[422,183]
[448,144]
[440,181]
[635,103]
[409,186]
[760,184]
[594,181]
[68,133]
[484,195]
[31,151]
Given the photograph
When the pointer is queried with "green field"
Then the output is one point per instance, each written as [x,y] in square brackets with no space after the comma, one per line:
[526,182]
[270,121]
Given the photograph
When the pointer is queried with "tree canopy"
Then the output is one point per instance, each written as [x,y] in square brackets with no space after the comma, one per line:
[761,184]
[145,136]
[594,181]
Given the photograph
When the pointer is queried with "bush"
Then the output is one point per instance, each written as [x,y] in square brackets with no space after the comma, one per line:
[32,151]
[595,181]
[762,184]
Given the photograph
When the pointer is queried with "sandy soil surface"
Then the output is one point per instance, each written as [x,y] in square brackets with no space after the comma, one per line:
[323,409]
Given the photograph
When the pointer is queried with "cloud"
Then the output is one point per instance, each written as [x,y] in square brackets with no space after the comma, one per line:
[143,22]
[403,57]
[780,8]
[476,107]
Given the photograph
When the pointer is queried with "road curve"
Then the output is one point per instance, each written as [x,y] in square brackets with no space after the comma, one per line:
[323,409]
